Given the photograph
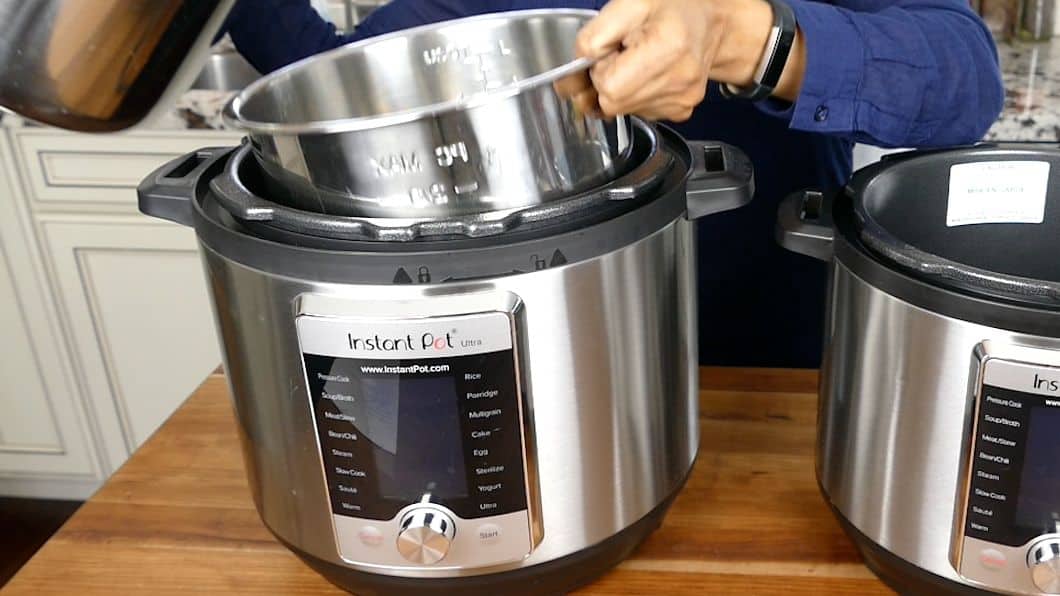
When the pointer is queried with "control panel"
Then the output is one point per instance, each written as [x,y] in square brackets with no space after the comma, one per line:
[420,425]
[1009,538]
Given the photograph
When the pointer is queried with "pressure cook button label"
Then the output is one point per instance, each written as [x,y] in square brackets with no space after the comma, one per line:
[1004,402]
[332,378]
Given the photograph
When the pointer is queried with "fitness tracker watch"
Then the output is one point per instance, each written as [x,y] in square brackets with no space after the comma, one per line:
[775,57]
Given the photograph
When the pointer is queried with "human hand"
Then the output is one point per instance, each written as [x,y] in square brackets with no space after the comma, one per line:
[654,57]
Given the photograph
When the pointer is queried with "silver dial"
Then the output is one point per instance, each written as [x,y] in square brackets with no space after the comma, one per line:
[1044,561]
[425,536]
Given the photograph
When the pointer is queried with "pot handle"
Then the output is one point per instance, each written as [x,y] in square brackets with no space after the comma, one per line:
[722,179]
[804,224]
[168,192]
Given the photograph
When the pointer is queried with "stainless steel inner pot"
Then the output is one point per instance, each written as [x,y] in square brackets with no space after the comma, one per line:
[455,117]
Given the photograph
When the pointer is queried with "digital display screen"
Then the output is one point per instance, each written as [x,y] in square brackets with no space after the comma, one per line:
[1038,505]
[392,431]
[423,453]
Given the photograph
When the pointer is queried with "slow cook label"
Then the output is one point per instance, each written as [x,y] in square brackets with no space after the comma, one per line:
[997,192]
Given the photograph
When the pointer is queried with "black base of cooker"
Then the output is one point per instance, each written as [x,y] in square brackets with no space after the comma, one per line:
[554,577]
[902,576]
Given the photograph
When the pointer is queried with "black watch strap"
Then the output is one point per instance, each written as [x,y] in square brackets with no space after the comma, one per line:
[775,57]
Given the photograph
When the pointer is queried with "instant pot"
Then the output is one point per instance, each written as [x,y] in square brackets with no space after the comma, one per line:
[939,427]
[495,393]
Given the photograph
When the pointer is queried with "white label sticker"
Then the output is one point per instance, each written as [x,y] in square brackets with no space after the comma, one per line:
[997,192]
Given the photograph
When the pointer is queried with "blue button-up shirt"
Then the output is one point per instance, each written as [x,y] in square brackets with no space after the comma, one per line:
[892,73]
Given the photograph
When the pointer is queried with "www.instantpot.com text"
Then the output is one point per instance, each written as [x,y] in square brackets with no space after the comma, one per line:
[412,369]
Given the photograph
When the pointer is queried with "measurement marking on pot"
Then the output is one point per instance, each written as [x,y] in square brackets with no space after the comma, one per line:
[435,194]
[449,154]
[467,54]
[395,164]
[464,189]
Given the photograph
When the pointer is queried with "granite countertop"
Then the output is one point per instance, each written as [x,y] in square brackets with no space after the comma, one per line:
[1032,92]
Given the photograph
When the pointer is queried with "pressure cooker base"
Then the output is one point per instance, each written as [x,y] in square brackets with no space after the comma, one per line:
[902,576]
[558,576]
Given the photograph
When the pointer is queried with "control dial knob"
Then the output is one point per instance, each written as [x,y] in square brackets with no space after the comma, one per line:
[425,536]
[1044,561]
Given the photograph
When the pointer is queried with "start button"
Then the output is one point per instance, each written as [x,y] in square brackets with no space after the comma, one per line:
[488,533]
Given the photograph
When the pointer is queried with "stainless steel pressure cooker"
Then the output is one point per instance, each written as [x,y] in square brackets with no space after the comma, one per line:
[497,398]
[939,428]
[508,414]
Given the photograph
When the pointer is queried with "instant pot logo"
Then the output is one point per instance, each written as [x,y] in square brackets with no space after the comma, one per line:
[1045,384]
[405,343]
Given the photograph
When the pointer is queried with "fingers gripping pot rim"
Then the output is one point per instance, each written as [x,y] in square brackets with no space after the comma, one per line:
[451,118]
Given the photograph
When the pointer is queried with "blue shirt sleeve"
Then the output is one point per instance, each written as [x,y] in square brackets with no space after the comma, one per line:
[895,73]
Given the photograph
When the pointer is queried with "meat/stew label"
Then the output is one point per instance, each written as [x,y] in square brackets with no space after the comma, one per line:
[997,192]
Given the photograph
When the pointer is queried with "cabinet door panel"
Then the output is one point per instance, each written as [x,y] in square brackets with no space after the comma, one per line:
[45,428]
[139,317]
[26,421]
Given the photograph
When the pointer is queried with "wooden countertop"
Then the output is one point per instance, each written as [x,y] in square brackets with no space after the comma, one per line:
[177,518]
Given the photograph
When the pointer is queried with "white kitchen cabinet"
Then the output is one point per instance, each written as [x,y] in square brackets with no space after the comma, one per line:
[46,446]
[137,316]
[106,313]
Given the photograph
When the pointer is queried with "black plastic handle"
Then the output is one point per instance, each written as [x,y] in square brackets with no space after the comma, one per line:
[804,224]
[722,179]
[168,192]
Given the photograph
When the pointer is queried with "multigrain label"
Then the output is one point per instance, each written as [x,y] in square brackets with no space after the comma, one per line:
[997,192]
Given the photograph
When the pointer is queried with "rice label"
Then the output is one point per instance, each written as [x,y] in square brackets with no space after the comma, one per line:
[997,192]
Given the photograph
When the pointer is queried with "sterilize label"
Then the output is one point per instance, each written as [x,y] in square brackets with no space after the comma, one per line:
[997,192]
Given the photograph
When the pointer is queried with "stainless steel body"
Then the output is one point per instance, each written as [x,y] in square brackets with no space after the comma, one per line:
[101,65]
[511,412]
[939,423]
[610,364]
[895,420]
[444,119]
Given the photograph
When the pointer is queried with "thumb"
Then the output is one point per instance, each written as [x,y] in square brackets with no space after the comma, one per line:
[604,33]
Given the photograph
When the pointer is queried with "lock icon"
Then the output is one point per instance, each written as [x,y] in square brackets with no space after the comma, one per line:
[424,275]
[538,262]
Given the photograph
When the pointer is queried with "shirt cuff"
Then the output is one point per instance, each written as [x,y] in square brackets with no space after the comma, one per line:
[835,58]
